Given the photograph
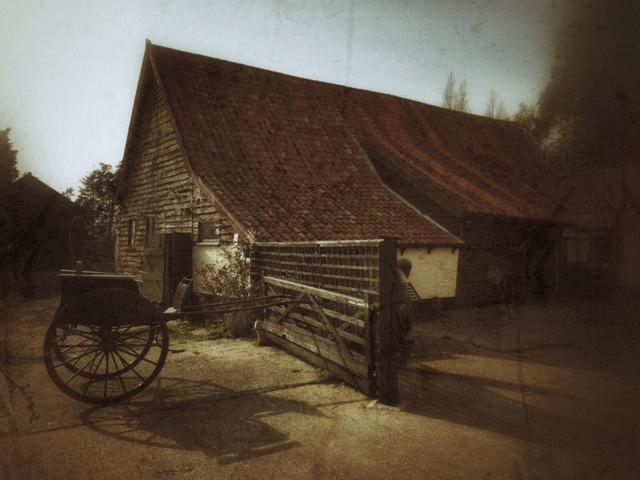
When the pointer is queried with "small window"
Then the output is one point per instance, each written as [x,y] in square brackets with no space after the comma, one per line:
[149,230]
[131,233]
[208,232]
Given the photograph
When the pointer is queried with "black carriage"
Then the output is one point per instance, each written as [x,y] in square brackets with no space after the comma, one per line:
[107,342]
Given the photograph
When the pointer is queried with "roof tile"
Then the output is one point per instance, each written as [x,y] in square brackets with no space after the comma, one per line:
[284,154]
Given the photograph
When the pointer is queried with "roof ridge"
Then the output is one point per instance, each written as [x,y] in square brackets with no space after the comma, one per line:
[497,121]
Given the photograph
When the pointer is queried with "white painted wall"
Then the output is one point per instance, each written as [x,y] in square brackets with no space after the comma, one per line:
[628,269]
[433,274]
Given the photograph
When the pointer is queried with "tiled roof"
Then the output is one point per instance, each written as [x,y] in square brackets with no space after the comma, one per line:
[288,156]
[466,163]
[597,198]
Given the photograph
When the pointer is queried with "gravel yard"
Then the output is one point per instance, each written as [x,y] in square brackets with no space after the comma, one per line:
[539,391]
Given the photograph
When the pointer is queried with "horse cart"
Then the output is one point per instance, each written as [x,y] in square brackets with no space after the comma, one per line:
[107,342]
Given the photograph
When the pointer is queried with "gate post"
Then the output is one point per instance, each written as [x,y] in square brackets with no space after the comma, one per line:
[386,325]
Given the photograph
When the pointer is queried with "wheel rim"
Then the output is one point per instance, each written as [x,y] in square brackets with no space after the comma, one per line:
[97,365]
[80,341]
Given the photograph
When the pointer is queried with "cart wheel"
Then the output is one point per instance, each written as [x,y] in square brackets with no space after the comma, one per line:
[100,364]
[85,338]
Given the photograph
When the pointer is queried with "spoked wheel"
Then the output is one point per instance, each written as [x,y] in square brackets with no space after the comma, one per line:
[99,364]
[86,338]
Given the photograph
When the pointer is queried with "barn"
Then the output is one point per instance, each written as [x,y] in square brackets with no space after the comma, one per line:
[599,209]
[35,222]
[218,151]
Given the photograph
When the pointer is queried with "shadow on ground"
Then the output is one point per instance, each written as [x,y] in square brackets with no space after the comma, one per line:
[486,404]
[200,415]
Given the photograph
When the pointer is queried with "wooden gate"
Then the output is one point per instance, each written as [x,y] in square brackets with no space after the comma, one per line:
[345,321]
[320,331]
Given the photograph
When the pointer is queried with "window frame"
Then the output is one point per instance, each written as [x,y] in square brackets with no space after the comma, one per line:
[131,233]
[209,239]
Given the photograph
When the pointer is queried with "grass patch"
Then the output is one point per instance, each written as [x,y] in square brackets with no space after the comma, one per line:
[214,333]
[179,328]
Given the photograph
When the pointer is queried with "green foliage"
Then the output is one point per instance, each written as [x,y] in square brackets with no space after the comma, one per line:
[590,109]
[69,193]
[214,333]
[229,276]
[229,279]
[527,116]
[97,197]
[8,160]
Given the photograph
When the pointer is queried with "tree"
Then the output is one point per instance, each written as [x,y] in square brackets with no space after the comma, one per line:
[69,193]
[97,198]
[527,116]
[452,99]
[589,112]
[462,103]
[449,92]
[501,112]
[8,160]
[492,104]
[495,107]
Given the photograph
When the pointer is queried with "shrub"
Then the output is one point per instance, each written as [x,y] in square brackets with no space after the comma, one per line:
[230,279]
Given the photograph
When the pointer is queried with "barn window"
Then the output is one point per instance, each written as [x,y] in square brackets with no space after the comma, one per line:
[149,230]
[131,233]
[208,232]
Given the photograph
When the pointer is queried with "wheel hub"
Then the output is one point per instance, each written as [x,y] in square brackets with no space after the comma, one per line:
[109,343]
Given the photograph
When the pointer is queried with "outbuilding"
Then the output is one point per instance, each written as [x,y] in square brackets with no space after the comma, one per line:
[219,152]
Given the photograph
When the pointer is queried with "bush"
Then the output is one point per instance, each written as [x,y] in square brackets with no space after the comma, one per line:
[227,280]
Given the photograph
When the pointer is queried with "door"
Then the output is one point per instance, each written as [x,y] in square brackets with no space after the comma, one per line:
[153,265]
[178,262]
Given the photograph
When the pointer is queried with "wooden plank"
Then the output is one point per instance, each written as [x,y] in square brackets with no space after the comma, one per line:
[329,243]
[343,350]
[314,323]
[289,308]
[386,332]
[357,382]
[318,345]
[326,294]
[336,266]
[372,256]
[351,320]
[370,347]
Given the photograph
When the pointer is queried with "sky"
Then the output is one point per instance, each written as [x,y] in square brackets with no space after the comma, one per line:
[69,68]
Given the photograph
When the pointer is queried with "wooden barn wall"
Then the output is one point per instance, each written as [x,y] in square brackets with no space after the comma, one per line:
[158,184]
[503,259]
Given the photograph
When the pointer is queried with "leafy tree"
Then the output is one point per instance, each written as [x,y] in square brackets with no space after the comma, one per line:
[8,160]
[590,110]
[69,193]
[527,116]
[97,198]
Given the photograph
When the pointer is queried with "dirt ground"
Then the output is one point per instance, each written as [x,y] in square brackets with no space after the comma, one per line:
[539,391]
